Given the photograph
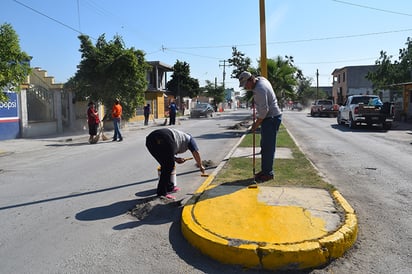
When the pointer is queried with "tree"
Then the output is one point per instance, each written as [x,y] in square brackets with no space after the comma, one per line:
[181,84]
[306,94]
[215,92]
[108,71]
[239,62]
[284,77]
[388,73]
[14,63]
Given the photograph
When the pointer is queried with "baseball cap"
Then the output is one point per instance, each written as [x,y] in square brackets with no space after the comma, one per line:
[243,77]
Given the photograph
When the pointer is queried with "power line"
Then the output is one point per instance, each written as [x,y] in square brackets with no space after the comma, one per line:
[284,42]
[340,37]
[78,13]
[296,41]
[372,8]
[187,53]
[45,15]
[339,61]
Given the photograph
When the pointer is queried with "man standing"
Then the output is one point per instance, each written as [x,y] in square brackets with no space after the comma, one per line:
[164,144]
[172,113]
[269,118]
[146,113]
[117,116]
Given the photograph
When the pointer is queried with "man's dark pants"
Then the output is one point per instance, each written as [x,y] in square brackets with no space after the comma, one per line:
[161,144]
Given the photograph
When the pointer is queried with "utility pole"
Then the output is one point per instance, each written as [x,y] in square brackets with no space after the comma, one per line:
[317,83]
[224,71]
[263,57]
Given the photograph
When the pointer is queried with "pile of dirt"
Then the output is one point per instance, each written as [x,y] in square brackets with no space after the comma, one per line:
[208,163]
[242,125]
[155,207]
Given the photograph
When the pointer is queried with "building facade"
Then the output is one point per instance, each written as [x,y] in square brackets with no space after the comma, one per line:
[43,107]
[351,80]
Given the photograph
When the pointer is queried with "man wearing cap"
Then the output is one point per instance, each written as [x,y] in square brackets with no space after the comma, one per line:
[268,117]
[164,144]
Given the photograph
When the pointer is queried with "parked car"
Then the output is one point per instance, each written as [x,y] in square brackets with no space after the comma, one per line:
[297,106]
[202,109]
[365,109]
[324,108]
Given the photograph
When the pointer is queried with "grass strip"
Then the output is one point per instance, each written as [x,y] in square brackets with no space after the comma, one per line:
[297,172]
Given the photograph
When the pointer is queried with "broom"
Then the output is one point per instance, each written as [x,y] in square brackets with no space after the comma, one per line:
[104,137]
[255,185]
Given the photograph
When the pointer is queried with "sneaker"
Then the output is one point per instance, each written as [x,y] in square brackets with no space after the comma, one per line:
[174,190]
[260,177]
[121,139]
[169,197]
[114,140]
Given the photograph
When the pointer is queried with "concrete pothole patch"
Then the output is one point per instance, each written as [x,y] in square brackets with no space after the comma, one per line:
[156,207]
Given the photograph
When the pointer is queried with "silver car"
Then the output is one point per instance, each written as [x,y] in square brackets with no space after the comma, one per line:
[202,109]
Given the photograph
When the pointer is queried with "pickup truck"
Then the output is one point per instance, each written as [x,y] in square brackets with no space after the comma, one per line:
[324,107]
[365,109]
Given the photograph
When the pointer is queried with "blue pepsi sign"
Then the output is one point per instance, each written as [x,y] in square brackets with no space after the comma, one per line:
[9,117]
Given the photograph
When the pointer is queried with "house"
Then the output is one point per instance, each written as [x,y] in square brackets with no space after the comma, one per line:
[155,94]
[405,107]
[43,107]
[351,80]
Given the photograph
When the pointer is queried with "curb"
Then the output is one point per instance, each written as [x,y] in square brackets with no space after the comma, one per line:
[270,256]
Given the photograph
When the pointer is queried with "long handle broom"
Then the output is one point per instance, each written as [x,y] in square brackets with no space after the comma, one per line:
[254,145]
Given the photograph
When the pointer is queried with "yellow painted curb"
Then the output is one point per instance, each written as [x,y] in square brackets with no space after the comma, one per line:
[270,256]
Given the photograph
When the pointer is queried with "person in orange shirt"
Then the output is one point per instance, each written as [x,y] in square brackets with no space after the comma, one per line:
[117,116]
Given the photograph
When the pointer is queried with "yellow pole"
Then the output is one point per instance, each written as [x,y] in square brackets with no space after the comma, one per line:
[263,58]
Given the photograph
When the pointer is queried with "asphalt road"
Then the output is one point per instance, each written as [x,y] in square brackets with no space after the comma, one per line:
[64,203]
[372,170]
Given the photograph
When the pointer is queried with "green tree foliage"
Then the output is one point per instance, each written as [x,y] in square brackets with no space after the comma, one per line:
[283,76]
[14,63]
[213,91]
[239,63]
[181,84]
[388,72]
[108,71]
[306,94]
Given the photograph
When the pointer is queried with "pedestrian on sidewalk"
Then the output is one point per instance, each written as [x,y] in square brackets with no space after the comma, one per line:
[172,113]
[92,121]
[117,117]
[268,118]
[164,144]
[146,113]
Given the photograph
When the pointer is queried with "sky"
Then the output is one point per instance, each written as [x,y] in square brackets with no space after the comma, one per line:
[320,35]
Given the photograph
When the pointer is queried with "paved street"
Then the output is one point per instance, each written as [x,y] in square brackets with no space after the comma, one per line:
[64,203]
[371,168]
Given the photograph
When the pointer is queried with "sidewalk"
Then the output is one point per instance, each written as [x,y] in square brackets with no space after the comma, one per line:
[268,228]
[30,144]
